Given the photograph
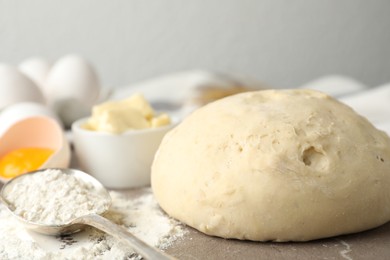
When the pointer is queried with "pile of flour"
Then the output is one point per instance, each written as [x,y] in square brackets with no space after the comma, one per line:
[52,197]
[141,216]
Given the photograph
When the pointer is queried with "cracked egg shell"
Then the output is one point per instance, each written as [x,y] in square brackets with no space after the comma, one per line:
[37,132]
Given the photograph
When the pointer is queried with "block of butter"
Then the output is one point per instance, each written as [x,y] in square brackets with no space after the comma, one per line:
[128,114]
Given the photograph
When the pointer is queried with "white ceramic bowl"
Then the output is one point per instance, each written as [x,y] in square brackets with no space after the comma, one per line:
[117,161]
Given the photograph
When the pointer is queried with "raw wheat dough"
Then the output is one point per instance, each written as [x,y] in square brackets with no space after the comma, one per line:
[282,165]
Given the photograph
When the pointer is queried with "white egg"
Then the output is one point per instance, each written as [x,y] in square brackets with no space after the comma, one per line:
[37,70]
[72,77]
[16,87]
[70,110]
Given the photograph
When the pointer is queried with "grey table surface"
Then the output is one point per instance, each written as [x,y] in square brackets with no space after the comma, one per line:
[371,244]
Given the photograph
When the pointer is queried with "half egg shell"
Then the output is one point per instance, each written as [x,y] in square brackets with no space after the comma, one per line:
[16,112]
[37,131]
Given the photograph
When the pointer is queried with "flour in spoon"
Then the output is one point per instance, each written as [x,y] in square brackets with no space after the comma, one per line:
[51,197]
[135,210]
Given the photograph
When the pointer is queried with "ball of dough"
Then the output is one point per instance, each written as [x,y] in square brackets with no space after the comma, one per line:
[281,165]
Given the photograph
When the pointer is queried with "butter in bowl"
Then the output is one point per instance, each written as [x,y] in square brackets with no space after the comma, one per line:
[117,143]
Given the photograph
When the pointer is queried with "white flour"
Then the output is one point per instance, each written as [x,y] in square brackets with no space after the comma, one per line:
[52,197]
[141,216]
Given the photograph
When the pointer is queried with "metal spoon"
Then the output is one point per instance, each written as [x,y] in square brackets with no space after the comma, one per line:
[95,219]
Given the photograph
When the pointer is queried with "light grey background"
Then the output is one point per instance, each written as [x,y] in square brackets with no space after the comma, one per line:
[284,43]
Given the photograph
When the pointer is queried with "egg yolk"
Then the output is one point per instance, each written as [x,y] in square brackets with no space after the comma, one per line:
[23,160]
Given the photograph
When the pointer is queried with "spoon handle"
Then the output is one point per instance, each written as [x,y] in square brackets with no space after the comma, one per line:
[122,234]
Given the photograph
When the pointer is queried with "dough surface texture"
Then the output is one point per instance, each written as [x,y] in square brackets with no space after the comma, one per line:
[279,165]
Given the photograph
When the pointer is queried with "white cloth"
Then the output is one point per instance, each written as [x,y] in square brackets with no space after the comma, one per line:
[172,93]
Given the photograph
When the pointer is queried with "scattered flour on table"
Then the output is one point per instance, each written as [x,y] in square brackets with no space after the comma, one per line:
[141,216]
[345,252]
